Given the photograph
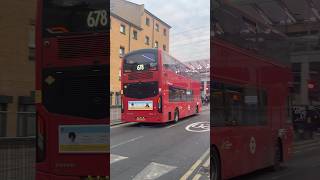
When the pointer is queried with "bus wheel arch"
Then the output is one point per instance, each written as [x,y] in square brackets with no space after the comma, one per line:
[215,159]
[176,115]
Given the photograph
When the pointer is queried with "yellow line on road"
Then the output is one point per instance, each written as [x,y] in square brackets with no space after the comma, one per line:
[195,165]
[207,163]
[196,177]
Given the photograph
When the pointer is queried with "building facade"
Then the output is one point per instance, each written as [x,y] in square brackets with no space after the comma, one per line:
[203,67]
[17,109]
[132,27]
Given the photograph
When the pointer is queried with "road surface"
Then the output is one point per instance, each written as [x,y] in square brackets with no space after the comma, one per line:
[151,151]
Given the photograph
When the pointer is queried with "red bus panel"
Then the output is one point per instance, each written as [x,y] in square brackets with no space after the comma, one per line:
[250,122]
[72,64]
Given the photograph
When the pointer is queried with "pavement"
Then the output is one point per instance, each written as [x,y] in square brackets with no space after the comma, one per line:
[164,152]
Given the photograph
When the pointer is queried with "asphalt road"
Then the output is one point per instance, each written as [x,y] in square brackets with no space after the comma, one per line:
[304,165]
[165,152]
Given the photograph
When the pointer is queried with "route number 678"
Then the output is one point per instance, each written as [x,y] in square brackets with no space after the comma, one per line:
[96,18]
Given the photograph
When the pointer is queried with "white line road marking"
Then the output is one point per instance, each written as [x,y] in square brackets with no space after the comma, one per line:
[125,142]
[195,165]
[153,171]
[115,158]
[124,124]
[196,177]
[171,126]
[199,127]
[207,163]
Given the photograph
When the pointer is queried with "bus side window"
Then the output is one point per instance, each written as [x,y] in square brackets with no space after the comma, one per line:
[218,115]
[289,109]
[234,105]
[263,104]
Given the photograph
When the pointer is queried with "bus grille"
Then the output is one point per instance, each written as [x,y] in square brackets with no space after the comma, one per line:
[85,46]
[136,76]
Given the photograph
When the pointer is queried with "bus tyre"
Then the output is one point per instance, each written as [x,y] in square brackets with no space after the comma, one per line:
[215,169]
[277,157]
[176,116]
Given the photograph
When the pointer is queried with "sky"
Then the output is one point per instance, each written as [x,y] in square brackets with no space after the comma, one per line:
[190,22]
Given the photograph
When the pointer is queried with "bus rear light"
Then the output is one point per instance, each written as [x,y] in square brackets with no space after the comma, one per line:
[160,104]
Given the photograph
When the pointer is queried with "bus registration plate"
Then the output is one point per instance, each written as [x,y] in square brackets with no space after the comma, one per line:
[140,118]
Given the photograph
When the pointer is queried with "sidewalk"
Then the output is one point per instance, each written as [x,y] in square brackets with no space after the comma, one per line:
[316,138]
[115,114]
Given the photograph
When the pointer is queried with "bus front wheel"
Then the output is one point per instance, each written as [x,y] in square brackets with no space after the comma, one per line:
[215,169]
[176,116]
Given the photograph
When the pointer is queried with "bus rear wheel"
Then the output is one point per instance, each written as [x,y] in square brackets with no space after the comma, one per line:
[176,116]
[214,165]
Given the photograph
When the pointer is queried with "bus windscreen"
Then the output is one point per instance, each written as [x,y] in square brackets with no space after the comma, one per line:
[63,17]
[141,61]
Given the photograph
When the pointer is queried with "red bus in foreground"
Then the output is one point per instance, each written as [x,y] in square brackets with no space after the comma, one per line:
[71,89]
[157,88]
[250,121]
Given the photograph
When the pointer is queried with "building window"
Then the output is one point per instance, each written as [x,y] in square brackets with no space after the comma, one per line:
[156,44]
[3,119]
[118,99]
[111,97]
[164,32]
[31,43]
[164,47]
[31,53]
[157,27]
[122,29]
[147,21]
[121,51]
[135,35]
[146,40]
[26,120]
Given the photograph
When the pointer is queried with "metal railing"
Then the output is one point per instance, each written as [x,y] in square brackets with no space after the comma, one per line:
[17,158]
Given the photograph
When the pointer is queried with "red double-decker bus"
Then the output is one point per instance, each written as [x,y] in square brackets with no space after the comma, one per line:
[250,121]
[157,88]
[71,89]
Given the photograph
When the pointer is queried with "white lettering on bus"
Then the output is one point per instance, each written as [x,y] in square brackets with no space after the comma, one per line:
[99,18]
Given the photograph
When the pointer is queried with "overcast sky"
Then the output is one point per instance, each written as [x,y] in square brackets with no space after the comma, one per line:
[190,22]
